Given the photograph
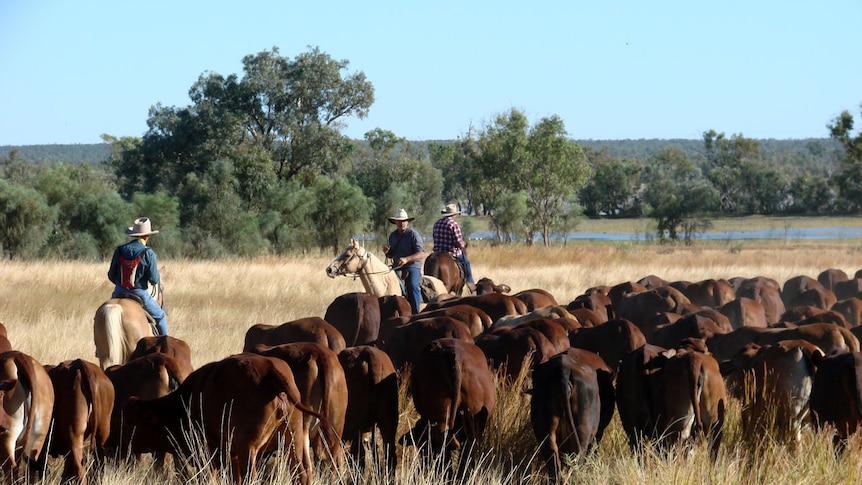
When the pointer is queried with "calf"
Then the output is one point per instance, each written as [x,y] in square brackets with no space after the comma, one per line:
[165,344]
[83,402]
[372,402]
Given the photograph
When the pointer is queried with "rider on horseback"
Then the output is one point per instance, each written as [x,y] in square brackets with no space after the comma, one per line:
[133,266]
[406,248]
[449,239]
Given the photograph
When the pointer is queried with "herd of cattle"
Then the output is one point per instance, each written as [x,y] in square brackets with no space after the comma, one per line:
[664,354]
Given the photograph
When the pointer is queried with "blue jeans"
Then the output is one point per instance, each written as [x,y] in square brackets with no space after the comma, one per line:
[150,306]
[411,287]
[468,271]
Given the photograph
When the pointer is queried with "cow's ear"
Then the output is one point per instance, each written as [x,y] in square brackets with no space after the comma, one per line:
[8,384]
[817,357]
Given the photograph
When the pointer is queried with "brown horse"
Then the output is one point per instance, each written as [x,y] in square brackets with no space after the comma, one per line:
[444,267]
[118,325]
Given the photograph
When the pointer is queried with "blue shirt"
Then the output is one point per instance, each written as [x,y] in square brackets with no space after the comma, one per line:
[148,270]
[408,245]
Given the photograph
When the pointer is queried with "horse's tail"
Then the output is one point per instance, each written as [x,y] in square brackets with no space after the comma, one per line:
[108,335]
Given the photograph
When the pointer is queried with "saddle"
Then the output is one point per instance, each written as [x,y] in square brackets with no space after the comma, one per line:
[137,299]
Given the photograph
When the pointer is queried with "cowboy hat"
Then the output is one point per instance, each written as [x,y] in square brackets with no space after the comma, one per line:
[141,227]
[400,215]
[451,210]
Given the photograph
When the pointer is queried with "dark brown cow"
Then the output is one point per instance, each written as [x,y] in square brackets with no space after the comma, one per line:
[356,316]
[486,285]
[165,344]
[495,305]
[473,317]
[587,318]
[632,390]
[719,318]
[404,343]
[618,291]
[818,297]
[660,320]
[550,311]
[308,329]
[745,312]
[27,398]
[710,293]
[780,388]
[536,298]
[830,277]
[509,348]
[851,309]
[836,396]
[640,307]
[372,403]
[848,289]
[5,345]
[652,282]
[322,385]
[244,398]
[83,401]
[454,393]
[611,340]
[565,409]
[794,286]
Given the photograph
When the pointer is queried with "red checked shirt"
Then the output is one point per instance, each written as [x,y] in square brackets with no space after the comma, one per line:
[447,236]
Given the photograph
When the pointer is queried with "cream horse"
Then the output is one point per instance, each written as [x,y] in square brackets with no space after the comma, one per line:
[377,278]
[118,325]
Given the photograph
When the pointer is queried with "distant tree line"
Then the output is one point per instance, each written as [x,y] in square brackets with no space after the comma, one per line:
[257,164]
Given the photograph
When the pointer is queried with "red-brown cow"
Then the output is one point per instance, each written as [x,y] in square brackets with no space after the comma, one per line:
[830,338]
[495,305]
[851,309]
[238,403]
[611,341]
[26,404]
[689,326]
[745,312]
[372,403]
[595,301]
[323,387]
[475,319]
[455,394]
[356,315]
[404,342]
[710,293]
[509,348]
[165,344]
[536,298]
[485,286]
[836,396]
[830,277]
[763,292]
[308,329]
[83,402]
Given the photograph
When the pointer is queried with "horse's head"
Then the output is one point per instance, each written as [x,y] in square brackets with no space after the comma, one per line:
[350,261]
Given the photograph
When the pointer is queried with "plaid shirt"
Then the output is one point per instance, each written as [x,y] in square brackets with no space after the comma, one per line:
[447,236]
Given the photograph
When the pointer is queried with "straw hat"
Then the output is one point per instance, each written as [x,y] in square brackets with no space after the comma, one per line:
[141,228]
[400,215]
[451,210]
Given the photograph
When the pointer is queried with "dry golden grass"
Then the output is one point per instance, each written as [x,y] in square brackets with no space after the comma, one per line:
[48,309]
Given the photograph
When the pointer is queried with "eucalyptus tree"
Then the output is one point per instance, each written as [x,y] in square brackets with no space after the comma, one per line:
[849,180]
[25,220]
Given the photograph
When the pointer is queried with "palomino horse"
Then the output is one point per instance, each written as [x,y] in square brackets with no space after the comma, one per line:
[444,267]
[377,278]
[118,325]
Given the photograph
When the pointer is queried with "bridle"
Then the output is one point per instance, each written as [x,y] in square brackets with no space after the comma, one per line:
[364,257]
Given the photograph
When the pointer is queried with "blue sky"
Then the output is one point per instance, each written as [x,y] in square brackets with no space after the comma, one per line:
[71,71]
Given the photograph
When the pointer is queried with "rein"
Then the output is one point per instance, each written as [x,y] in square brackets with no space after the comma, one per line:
[364,259]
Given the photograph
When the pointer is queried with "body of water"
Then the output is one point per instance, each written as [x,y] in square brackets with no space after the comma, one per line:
[790,234]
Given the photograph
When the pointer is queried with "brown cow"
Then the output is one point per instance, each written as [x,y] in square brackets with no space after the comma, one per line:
[454,393]
[794,286]
[165,344]
[851,309]
[403,343]
[611,341]
[509,348]
[782,377]
[83,402]
[495,305]
[550,311]
[830,338]
[637,414]
[832,276]
[393,306]
[689,326]
[710,293]
[620,290]
[848,289]
[238,404]
[565,409]
[745,312]
[536,298]
[323,387]
[595,301]
[485,286]
[308,329]
[818,297]
[640,307]
[27,398]
[147,377]
[652,282]
[587,318]
[763,292]
[475,319]
[357,316]
[836,396]
[372,403]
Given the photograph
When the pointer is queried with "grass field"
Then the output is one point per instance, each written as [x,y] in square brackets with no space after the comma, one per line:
[48,309]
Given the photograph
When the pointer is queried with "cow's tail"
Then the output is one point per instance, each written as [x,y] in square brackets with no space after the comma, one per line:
[457,377]
[109,322]
[568,390]
[857,376]
[697,374]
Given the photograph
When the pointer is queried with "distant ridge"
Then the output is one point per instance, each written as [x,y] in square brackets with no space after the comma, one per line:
[74,154]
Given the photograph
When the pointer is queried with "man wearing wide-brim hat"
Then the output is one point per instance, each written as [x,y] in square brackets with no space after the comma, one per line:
[448,238]
[406,248]
[134,267]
